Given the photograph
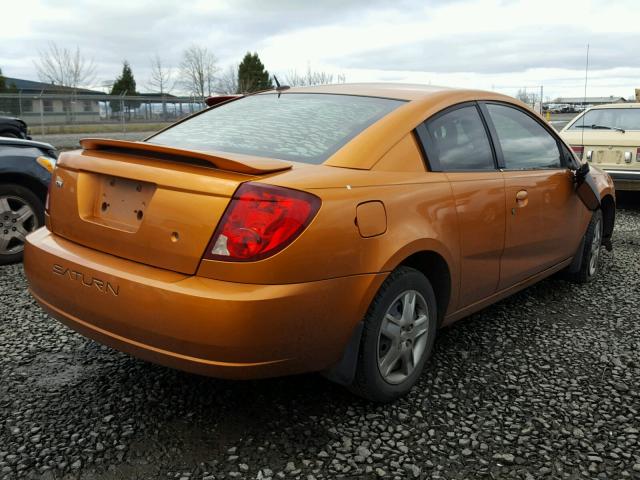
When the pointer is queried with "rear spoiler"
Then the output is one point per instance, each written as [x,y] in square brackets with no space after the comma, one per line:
[211,101]
[232,162]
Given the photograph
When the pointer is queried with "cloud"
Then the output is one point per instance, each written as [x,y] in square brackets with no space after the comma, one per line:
[135,30]
[499,53]
[461,41]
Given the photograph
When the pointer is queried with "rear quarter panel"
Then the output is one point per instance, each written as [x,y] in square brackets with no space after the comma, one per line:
[420,216]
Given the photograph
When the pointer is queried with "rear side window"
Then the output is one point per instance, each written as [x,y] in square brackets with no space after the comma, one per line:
[525,143]
[300,127]
[460,140]
[624,118]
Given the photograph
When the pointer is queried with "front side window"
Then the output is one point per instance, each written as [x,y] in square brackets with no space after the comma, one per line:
[609,118]
[300,127]
[460,140]
[525,143]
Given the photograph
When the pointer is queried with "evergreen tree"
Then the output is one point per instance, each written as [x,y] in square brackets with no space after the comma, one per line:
[3,82]
[8,105]
[252,75]
[125,84]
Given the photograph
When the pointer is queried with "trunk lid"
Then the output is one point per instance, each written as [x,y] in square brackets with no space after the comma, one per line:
[147,203]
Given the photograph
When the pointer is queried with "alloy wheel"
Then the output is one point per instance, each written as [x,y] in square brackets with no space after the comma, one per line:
[17,220]
[595,248]
[403,336]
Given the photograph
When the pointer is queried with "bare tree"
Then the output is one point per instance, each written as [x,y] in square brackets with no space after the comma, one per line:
[228,81]
[161,80]
[65,67]
[312,77]
[197,71]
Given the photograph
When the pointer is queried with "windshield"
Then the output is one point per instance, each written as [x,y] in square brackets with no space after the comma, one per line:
[300,127]
[615,118]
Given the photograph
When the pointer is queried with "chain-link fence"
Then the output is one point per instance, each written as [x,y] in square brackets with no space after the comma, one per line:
[56,113]
[88,113]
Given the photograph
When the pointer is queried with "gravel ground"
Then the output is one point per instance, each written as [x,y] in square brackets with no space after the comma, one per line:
[541,385]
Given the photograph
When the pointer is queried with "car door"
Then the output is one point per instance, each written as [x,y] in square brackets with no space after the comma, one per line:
[543,210]
[456,142]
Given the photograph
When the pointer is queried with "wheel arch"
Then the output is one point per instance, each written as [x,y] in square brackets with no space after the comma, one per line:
[608,207]
[433,266]
[26,181]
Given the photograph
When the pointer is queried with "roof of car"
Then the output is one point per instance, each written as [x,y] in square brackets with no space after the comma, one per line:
[402,91]
[616,105]
[24,143]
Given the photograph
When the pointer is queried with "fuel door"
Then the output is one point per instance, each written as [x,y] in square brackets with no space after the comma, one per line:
[371,219]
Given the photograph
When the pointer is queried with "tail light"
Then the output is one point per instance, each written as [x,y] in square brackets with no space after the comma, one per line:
[47,203]
[638,154]
[578,150]
[260,221]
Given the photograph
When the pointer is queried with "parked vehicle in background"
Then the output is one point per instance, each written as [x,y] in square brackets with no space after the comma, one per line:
[330,229]
[25,173]
[13,128]
[608,136]
[559,108]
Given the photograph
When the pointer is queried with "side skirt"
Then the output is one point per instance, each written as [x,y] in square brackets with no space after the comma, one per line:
[496,297]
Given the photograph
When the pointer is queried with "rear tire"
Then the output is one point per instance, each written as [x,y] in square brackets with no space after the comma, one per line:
[590,264]
[21,212]
[398,336]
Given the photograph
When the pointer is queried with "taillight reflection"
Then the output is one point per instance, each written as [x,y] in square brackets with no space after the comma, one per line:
[578,150]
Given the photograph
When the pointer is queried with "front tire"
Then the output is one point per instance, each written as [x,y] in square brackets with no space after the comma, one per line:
[21,212]
[398,336]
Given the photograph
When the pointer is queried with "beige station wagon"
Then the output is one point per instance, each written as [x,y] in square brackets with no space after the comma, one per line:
[608,136]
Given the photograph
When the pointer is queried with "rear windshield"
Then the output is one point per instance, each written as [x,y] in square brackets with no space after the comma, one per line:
[300,127]
[625,118]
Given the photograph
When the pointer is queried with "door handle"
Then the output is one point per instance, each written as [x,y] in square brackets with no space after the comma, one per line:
[522,198]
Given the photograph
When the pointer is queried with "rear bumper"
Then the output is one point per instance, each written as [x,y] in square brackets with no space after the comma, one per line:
[204,326]
[625,179]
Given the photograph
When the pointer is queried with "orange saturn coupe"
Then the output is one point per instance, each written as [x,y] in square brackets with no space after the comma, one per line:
[326,229]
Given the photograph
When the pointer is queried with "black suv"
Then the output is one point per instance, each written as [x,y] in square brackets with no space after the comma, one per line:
[13,128]
[25,173]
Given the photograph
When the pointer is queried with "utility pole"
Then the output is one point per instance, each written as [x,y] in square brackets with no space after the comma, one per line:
[41,113]
[124,125]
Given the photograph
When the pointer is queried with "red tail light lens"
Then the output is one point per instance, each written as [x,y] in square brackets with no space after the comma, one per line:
[638,154]
[260,221]
[47,203]
[578,150]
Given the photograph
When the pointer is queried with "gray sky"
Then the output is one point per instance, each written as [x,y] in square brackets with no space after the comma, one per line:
[495,45]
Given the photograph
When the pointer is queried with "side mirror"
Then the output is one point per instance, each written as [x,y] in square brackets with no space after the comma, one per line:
[581,172]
